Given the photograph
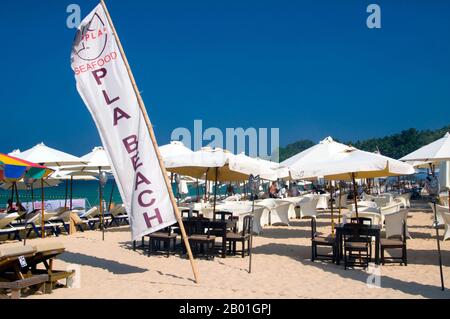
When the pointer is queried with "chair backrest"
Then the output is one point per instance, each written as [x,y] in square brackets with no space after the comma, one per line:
[189,213]
[361,220]
[444,213]
[393,223]
[371,213]
[355,232]
[247,225]
[381,201]
[342,200]
[7,219]
[92,212]
[222,215]
[392,208]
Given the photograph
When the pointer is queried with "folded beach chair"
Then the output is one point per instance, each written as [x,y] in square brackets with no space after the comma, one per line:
[5,225]
[117,215]
[44,255]
[80,224]
[91,215]
[11,277]
[33,224]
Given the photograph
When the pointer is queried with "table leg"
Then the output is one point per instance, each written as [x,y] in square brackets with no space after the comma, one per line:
[224,246]
[339,247]
[377,248]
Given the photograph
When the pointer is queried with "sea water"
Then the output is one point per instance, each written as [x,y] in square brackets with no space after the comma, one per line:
[88,190]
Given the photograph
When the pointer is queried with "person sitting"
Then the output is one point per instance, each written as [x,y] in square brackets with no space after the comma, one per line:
[11,208]
[273,190]
[284,191]
[294,192]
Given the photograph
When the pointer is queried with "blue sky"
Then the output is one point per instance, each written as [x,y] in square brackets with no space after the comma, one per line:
[310,68]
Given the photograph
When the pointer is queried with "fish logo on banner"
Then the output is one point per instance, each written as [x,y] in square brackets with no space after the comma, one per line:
[106,88]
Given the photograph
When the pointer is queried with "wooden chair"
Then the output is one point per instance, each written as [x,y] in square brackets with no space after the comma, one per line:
[326,241]
[394,243]
[364,221]
[244,236]
[223,216]
[356,245]
[199,240]
[187,213]
[164,236]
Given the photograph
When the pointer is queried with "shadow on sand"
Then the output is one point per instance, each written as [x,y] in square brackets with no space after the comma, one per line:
[302,254]
[109,265]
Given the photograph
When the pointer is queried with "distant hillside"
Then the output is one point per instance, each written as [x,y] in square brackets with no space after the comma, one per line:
[395,146]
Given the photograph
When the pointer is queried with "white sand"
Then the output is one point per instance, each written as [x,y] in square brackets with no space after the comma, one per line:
[281,268]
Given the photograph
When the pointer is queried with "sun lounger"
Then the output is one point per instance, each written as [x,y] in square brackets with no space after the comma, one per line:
[11,276]
[117,215]
[44,255]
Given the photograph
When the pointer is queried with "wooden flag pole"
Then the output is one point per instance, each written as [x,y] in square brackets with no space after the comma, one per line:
[155,144]
[42,208]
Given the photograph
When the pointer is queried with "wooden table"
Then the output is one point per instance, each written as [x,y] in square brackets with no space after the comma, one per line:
[224,226]
[372,230]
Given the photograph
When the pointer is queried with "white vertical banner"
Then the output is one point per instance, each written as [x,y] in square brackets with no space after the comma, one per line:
[106,88]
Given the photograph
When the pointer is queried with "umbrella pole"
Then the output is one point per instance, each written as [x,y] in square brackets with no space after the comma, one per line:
[32,195]
[215,194]
[42,209]
[111,196]
[206,184]
[355,194]
[67,190]
[17,194]
[251,238]
[339,205]
[434,198]
[438,244]
[71,191]
[332,209]
[100,190]
[198,191]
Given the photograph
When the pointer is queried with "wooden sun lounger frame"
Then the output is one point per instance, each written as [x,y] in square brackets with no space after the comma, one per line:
[46,258]
[13,279]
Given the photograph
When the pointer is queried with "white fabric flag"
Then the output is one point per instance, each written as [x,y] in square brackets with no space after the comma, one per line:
[106,89]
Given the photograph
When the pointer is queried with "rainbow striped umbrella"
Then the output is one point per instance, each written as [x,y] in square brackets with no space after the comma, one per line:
[13,169]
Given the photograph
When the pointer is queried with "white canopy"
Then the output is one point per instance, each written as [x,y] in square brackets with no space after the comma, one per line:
[47,156]
[249,165]
[175,148]
[325,150]
[95,160]
[351,162]
[205,162]
[438,150]
[444,175]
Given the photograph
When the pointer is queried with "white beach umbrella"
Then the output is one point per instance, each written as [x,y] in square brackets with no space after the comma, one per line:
[435,152]
[47,156]
[350,164]
[438,150]
[325,150]
[174,148]
[254,166]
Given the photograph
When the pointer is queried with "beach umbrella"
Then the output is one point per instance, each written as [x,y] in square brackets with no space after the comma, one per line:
[96,162]
[351,164]
[174,148]
[434,153]
[217,165]
[47,156]
[325,150]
